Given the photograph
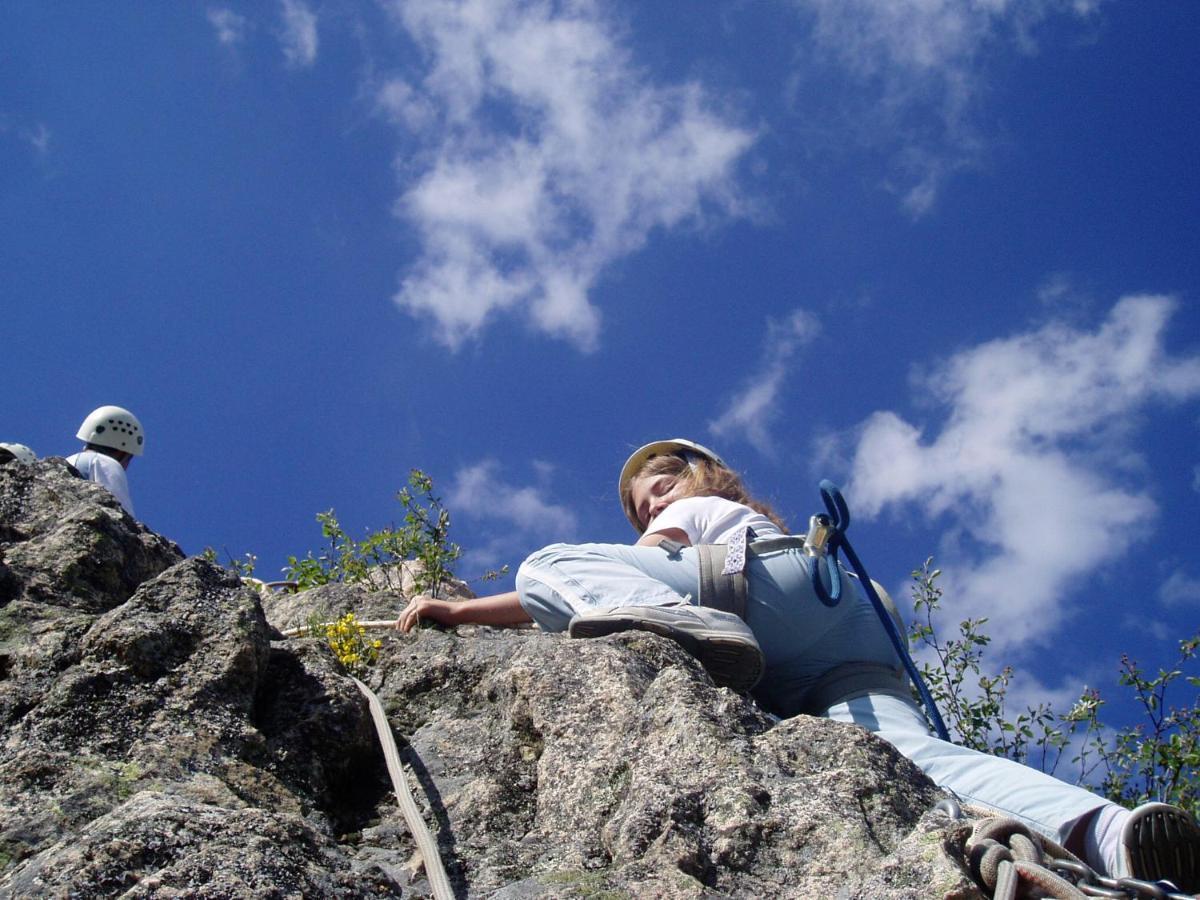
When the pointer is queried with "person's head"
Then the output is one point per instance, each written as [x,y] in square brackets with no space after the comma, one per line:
[114,431]
[661,472]
[18,452]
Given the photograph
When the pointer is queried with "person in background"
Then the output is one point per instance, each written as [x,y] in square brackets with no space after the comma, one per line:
[112,437]
[19,452]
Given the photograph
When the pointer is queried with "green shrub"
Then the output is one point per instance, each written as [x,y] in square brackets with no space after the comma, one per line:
[375,561]
[1157,759]
[243,568]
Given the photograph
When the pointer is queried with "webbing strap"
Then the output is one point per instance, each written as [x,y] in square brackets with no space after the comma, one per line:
[779,542]
[853,679]
[718,590]
[412,816]
[426,845]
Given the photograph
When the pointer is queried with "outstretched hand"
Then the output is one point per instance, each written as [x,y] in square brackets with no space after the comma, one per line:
[499,609]
[425,607]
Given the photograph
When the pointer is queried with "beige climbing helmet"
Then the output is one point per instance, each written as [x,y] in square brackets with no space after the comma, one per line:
[20,452]
[672,447]
[115,427]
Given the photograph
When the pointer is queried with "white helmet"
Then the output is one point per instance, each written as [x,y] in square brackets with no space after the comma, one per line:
[112,426]
[20,452]
[673,447]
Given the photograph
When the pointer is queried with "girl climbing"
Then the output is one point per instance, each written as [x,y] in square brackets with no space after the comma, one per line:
[779,638]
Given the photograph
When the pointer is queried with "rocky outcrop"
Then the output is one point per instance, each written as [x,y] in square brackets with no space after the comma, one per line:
[160,738]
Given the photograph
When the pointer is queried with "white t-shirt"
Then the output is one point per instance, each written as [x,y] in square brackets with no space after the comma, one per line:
[106,471]
[711,520]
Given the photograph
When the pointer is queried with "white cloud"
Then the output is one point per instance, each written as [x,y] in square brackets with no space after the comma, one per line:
[36,136]
[1032,467]
[750,412]
[403,106]
[1180,589]
[548,156]
[298,34]
[479,493]
[922,65]
[229,25]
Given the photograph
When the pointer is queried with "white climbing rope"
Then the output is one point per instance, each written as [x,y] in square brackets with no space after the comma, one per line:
[426,845]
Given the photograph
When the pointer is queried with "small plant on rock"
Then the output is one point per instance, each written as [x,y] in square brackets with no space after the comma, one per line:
[243,568]
[347,638]
[375,561]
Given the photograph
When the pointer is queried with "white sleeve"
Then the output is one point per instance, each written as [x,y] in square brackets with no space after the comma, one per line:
[687,515]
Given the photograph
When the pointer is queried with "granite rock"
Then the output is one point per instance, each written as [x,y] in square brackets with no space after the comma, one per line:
[160,737]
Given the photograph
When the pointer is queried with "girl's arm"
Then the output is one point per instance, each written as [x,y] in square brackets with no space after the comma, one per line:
[498,609]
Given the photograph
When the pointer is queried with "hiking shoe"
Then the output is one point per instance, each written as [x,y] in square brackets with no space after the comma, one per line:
[1160,842]
[722,642]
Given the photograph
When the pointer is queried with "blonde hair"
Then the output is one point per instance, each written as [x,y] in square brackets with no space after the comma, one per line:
[697,477]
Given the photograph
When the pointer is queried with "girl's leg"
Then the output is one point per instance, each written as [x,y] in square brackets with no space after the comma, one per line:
[600,589]
[1047,805]
[1154,841]
[561,581]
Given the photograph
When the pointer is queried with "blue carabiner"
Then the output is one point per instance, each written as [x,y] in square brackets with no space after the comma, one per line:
[839,521]
[839,512]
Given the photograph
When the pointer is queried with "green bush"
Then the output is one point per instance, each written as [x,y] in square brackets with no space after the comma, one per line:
[244,568]
[1157,759]
[375,560]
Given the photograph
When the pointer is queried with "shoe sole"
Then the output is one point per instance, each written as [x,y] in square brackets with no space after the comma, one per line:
[730,662]
[1164,843]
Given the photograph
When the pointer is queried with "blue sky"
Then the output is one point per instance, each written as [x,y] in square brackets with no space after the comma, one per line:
[944,253]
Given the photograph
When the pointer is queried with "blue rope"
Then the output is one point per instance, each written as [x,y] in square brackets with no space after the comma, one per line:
[839,521]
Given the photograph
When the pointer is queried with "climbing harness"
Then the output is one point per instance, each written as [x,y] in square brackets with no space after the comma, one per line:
[723,585]
[1007,860]
[426,844]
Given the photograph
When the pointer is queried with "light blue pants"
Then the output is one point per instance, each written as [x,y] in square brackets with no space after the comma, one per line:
[802,639]
[1047,805]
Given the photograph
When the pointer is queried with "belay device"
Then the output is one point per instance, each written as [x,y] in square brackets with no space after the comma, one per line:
[826,536]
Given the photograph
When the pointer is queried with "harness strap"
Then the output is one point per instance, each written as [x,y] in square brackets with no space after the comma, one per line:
[426,844]
[853,679]
[718,590]
[727,590]
[779,542]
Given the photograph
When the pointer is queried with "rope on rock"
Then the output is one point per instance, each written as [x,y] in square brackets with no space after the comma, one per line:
[1009,860]
[371,625]
[1006,856]
[426,844]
